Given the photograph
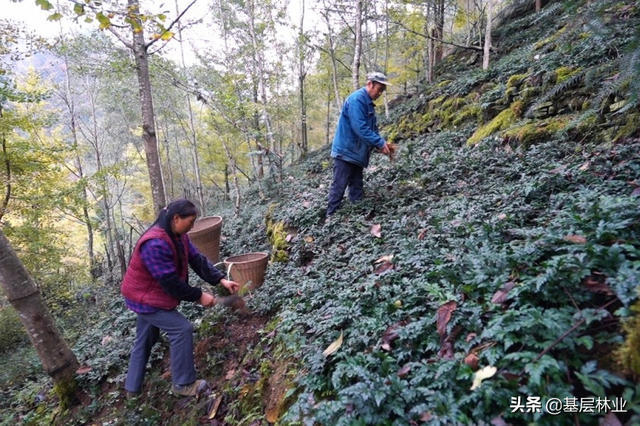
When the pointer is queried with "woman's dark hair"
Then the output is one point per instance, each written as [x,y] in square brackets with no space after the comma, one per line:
[181,207]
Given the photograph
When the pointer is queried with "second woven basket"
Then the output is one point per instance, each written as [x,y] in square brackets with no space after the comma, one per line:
[248,267]
[206,236]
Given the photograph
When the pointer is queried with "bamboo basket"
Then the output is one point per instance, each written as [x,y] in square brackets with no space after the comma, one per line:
[247,267]
[205,235]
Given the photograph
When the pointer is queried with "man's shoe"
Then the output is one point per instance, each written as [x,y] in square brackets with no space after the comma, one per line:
[132,395]
[196,388]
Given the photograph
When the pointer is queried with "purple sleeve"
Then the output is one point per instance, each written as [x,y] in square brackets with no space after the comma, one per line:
[157,256]
[203,266]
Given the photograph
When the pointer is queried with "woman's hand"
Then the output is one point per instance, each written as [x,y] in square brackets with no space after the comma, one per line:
[207,300]
[232,286]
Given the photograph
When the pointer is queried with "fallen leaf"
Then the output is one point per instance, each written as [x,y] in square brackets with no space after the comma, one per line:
[386,347]
[391,333]
[215,404]
[636,191]
[502,216]
[289,237]
[444,315]
[426,416]
[306,203]
[376,230]
[387,258]
[558,169]
[308,239]
[500,296]
[332,348]
[422,234]
[499,421]
[597,283]
[483,374]
[585,166]
[404,370]
[384,267]
[83,370]
[472,361]
[611,420]
[446,351]
[470,337]
[578,239]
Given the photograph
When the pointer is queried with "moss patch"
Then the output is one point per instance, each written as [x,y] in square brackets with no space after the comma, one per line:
[535,131]
[515,80]
[629,353]
[565,73]
[277,236]
[502,121]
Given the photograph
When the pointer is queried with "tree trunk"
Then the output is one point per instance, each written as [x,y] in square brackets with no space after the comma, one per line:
[487,36]
[232,163]
[328,129]
[332,54]
[57,359]
[304,145]
[7,170]
[357,50]
[439,30]
[430,57]
[148,125]
[192,127]
[538,5]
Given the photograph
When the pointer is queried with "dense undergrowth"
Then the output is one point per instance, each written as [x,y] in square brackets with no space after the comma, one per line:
[505,234]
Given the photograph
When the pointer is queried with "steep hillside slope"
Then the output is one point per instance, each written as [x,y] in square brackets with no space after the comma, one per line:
[503,242]
[505,235]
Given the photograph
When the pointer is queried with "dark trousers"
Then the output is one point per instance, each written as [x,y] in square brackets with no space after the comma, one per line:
[344,174]
[180,333]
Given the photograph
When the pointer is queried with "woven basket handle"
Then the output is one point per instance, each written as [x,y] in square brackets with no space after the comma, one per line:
[228,269]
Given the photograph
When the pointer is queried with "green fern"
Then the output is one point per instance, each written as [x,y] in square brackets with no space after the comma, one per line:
[556,90]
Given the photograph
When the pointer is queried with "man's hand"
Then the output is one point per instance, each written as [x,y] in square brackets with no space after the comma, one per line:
[385,149]
[232,286]
[207,300]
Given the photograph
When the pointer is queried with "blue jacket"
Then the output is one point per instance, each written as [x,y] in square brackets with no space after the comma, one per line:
[357,132]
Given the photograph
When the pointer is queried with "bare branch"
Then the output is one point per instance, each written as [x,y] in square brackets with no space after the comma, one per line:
[175,21]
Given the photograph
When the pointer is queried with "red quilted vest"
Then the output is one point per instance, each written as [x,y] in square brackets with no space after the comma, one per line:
[139,286]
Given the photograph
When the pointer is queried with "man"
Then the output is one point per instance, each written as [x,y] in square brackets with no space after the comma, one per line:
[356,136]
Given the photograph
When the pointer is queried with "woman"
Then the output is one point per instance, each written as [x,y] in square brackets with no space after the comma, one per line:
[155,283]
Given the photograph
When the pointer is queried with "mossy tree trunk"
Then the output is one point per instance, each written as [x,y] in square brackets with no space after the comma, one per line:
[57,359]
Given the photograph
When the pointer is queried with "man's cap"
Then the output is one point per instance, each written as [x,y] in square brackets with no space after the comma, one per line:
[378,77]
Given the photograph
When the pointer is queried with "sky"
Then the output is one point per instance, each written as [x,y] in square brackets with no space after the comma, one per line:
[35,19]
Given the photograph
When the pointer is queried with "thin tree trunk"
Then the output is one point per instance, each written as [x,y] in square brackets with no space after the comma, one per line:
[227,189]
[57,359]
[332,53]
[328,129]
[304,145]
[538,5]
[430,59]
[232,162]
[487,36]
[439,30]
[357,51]
[7,170]
[192,127]
[141,57]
